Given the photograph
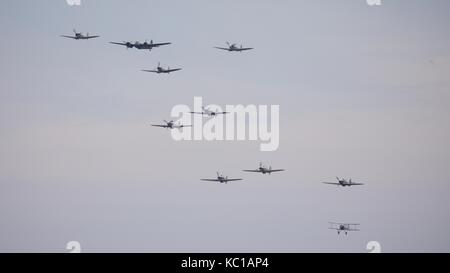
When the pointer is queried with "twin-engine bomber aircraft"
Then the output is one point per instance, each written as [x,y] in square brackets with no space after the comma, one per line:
[209,112]
[264,170]
[343,183]
[222,179]
[160,70]
[234,47]
[171,125]
[80,36]
[343,227]
[138,45]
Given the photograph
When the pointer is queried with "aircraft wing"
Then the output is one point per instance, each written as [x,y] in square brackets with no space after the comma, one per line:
[181,126]
[334,223]
[279,170]
[72,37]
[91,37]
[252,171]
[356,184]
[115,43]
[160,44]
[200,113]
[331,183]
[230,180]
[172,70]
[245,48]
[348,224]
[221,113]
[157,125]
[223,48]
[212,180]
[153,71]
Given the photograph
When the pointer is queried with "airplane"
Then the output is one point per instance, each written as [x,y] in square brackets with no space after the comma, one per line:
[264,170]
[221,179]
[344,183]
[80,36]
[170,125]
[160,69]
[234,47]
[343,227]
[139,45]
[209,112]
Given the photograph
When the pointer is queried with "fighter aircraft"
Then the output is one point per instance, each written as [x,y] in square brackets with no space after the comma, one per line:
[221,179]
[170,125]
[343,227]
[209,112]
[264,170]
[80,36]
[234,47]
[344,183]
[160,69]
[139,45]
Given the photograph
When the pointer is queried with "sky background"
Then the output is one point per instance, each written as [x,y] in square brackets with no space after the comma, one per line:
[363,94]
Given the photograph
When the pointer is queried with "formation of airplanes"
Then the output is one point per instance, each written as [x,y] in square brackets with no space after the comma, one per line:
[261,169]
[340,227]
[149,46]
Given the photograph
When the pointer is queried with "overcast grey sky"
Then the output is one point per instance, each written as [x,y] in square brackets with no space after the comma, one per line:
[363,94]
